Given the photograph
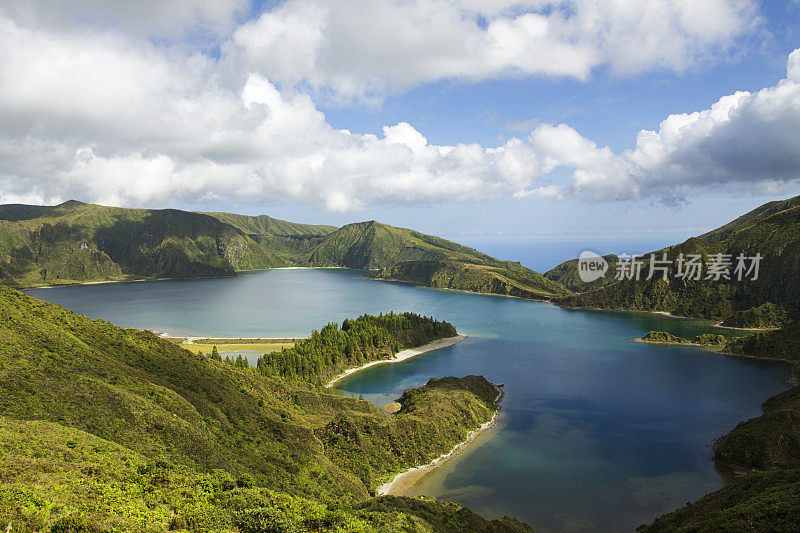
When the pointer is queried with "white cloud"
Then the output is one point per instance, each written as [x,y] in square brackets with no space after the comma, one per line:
[106,117]
[147,18]
[746,140]
[357,49]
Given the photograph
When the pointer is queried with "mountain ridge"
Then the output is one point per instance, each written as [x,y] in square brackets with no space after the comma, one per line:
[771,230]
[75,242]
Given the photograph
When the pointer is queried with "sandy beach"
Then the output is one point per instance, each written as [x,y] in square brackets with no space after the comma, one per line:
[403,481]
[401,356]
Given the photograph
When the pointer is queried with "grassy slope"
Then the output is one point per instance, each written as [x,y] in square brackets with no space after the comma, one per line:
[499,277]
[56,475]
[399,253]
[162,403]
[290,241]
[76,242]
[567,275]
[266,225]
[407,255]
[771,440]
[375,245]
[772,230]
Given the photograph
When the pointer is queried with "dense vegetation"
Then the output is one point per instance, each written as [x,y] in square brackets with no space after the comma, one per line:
[76,242]
[767,315]
[772,230]
[118,428]
[567,275]
[368,338]
[500,277]
[662,337]
[68,480]
[781,344]
[375,245]
[290,241]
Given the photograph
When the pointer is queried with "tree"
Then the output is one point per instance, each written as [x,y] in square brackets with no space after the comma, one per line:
[215,354]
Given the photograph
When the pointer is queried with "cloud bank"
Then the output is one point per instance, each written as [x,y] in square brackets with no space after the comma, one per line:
[357,49]
[102,114]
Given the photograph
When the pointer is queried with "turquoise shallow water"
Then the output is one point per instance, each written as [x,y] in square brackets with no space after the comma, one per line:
[597,433]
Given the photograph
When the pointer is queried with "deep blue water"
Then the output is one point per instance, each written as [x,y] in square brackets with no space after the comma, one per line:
[597,433]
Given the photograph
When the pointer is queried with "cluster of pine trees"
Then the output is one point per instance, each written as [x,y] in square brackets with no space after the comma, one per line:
[367,338]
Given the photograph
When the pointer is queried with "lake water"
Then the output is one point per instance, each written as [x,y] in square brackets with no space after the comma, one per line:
[597,433]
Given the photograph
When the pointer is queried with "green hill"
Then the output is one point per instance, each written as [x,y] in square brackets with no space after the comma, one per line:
[76,242]
[772,230]
[375,245]
[769,441]
[406,255]
[495,277]
[291,241]
[567,275]
[122,428]
[663,337]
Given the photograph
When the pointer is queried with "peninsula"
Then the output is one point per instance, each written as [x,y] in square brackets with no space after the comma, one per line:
[89,408]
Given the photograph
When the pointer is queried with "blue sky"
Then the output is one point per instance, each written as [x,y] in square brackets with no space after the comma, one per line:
[504,119]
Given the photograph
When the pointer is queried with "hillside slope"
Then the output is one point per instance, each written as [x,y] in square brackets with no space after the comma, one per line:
[772,230]
[77,242]
[288,240]
[375,245]
[494,277]
[130,407]
[566,274]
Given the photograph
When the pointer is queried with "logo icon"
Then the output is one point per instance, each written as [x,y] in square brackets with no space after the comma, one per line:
[591,266]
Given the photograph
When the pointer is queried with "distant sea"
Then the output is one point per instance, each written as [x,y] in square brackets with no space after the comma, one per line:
[542,253]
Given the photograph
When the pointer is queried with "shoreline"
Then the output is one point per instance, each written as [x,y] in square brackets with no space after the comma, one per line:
[405,480]
[212,340]
[667,314]
[792,380]
[402,355]
[138,280]
[719,325]
[719,349]
[541,299]
[709,347]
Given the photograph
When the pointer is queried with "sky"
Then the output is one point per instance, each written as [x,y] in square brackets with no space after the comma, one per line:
[470,119]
